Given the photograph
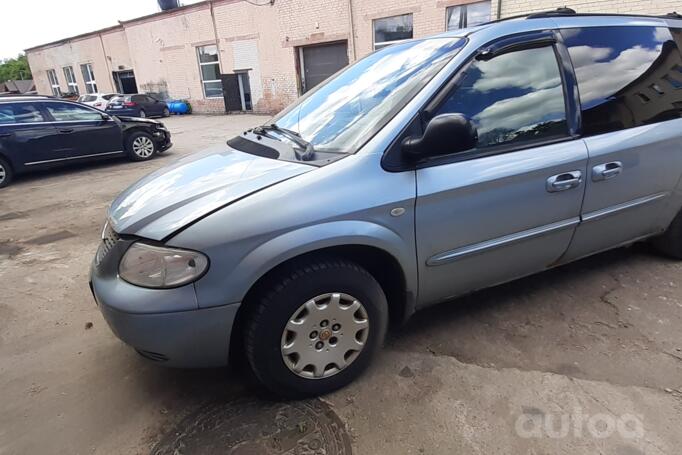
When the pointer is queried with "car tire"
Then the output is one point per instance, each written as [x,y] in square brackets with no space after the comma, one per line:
[140,146]
[670,243]
[143,114]
[6,173]
[315,294]
[166,112]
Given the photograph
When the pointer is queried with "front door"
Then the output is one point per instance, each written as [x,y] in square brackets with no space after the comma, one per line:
[83,131]
[632,125]
[231,92]
[508,207]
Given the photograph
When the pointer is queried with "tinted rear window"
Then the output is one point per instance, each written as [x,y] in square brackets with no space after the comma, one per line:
[19,113]
[627,76]
[87,98]
[109,96]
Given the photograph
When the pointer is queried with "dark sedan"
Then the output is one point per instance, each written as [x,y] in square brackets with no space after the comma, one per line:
[137,106]
[38,132]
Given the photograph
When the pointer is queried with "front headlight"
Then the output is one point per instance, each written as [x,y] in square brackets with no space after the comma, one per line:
[152,266]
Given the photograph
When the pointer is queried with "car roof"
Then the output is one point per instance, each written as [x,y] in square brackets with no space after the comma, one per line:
[10,98]
[562,18]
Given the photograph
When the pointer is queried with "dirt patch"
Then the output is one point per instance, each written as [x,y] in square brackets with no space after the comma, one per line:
[9,249]
[51,238]
[254,427]
[12,216]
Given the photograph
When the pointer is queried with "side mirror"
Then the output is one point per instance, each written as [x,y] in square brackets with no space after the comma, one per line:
[106,117]
[445,134]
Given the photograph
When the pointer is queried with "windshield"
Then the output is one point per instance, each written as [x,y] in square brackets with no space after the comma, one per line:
[348,109]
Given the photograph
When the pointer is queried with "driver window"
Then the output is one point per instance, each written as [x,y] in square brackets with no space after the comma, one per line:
[63,112]
[514,97]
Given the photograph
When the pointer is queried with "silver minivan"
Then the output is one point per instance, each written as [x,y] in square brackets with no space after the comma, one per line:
[428,169]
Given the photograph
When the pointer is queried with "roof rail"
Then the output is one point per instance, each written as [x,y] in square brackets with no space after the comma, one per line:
[556,12]
[674,15]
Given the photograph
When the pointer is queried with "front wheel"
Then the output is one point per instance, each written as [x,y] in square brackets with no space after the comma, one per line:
[315,327]
[140,146]
[143,114]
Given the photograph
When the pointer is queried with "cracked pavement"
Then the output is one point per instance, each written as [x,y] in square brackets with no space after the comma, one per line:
[552,363]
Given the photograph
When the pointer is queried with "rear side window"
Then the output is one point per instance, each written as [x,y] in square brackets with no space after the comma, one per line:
[515,97]
[109,96]
[627,76]
[64,112]
[138,98]
[87,98]
[20,113]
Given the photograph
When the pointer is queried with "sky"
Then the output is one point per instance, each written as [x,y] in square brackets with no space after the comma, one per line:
[27,23]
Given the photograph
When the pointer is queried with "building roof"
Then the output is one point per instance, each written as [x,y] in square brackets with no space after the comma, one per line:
[121,24]
[21,86]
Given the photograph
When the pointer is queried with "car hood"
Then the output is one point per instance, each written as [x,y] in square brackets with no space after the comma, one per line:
[170,198]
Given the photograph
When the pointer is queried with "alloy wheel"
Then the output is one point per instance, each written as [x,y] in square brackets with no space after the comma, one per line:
[325,335]
[143,147]
[3,173]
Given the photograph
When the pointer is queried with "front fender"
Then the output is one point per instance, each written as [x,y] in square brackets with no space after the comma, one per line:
[235,283]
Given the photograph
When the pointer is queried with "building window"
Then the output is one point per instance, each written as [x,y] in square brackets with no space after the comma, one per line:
[467,15]
[71,80]
[54,82]
[210,71]
[89,78]
[390,30]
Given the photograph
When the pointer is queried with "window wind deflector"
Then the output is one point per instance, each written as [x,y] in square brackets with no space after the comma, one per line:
[515,43]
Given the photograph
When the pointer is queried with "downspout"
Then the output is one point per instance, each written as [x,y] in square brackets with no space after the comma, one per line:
[110,74]
[499,9]
[352,30]
[215,35]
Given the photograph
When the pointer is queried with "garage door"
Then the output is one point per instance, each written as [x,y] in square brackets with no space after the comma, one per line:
[320,62]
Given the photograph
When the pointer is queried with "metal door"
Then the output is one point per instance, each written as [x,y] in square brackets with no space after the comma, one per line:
[321,61]
[231,93]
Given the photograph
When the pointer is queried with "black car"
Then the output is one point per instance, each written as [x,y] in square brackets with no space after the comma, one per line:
[137,106]
[38,132]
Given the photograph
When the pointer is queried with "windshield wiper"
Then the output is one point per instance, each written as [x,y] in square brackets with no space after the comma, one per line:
[308,148]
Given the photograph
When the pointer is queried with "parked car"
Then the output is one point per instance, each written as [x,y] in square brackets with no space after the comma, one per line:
[137,106]
[98,100]
[428,169]
[70,96]
[38,132]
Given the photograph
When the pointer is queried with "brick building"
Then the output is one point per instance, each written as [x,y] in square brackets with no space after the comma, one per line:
[235,55]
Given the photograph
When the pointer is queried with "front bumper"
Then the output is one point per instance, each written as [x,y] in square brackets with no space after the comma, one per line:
[162,137]
[164,325]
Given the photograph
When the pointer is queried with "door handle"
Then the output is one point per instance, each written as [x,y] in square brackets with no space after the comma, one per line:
[606,171]
[564,181]
[66,130]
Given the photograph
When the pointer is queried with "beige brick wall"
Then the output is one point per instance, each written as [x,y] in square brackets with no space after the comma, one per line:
[516,7]
[164,55]
[74,53]
[264,40]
